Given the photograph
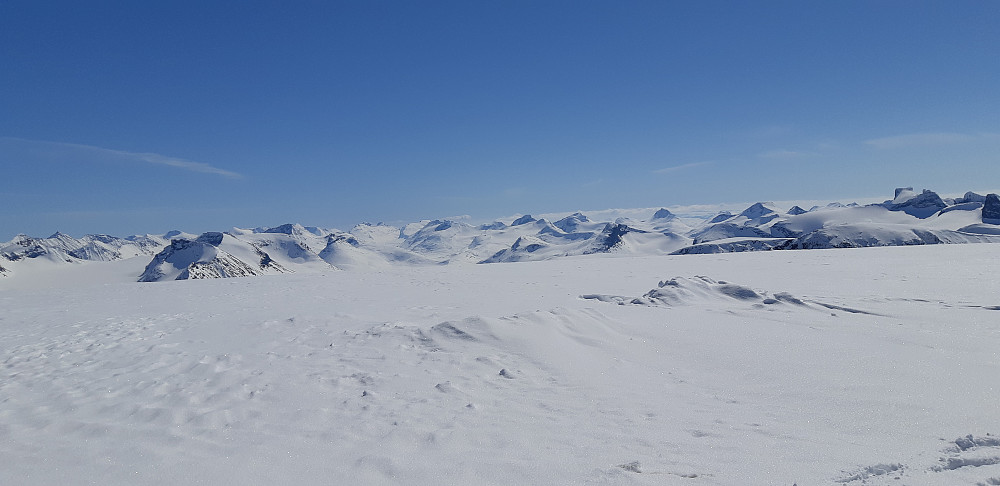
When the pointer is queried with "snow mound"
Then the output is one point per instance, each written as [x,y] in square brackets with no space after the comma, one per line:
[699,289]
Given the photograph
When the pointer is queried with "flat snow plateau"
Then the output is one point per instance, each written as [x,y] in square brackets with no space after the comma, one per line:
[876,366]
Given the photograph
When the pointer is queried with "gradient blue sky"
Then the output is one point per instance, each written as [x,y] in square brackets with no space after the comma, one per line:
[128,117]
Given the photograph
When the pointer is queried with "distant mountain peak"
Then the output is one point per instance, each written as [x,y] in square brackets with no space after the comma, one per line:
[757,210]
[287,229]
[722,216]
[523,220]
[923,205]
[928,219]
[663,213]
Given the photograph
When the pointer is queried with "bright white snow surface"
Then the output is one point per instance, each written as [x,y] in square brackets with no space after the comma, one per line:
[851,366]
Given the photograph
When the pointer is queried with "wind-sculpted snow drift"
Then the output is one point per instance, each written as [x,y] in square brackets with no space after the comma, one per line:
[910,218]
[872,367]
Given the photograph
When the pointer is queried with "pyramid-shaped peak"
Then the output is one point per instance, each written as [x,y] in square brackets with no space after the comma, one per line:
[578,217]
[796,210]
[758,210]
[59,235]
[663,213]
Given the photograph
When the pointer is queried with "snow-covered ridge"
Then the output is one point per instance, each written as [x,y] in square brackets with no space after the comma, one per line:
[909,218]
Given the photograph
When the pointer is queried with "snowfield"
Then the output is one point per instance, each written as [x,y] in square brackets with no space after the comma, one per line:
[877,366]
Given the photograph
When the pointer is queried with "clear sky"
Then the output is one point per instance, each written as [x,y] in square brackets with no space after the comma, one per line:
[127,117]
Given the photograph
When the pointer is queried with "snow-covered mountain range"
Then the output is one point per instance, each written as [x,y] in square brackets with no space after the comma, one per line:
[910,218]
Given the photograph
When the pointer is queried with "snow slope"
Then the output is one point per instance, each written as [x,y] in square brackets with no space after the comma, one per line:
[869,366]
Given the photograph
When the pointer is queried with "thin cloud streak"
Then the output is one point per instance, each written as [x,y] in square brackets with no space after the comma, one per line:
[147,157]
[783,154]
[668,170]
[922,139]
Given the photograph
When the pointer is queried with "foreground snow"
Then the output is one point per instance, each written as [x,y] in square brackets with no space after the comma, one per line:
[857,366]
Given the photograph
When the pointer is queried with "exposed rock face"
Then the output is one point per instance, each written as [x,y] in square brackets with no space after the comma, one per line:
[519,251]
[721,217]
[758,210]
[611,237]
[203,258]
[663,214]
[523,220]
[496,225]
[720,231]
[991,209]
[971,197]
[795,211]
[922,206]
[570,223]
[211,238]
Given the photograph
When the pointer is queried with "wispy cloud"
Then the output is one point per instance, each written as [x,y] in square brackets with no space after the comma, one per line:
[768,131]
[140,157]
[923,139]
[668,170]
[783,154]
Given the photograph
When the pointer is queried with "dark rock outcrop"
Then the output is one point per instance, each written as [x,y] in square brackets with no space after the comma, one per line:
[991,209]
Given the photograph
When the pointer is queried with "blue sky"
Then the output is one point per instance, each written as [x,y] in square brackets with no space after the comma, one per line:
[128,117]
